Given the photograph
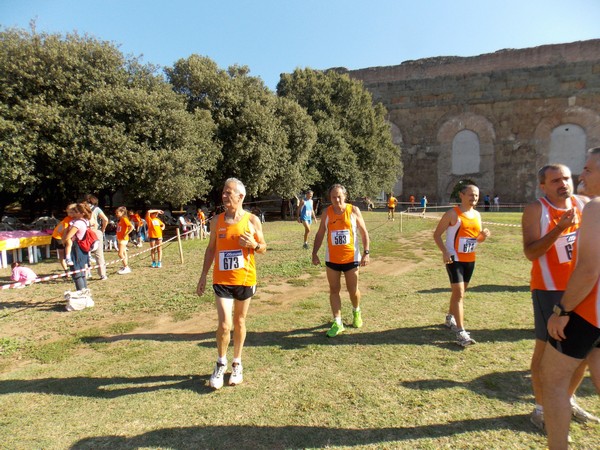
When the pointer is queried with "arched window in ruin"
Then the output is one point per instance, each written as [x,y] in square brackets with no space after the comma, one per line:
[466,155]
[568,145]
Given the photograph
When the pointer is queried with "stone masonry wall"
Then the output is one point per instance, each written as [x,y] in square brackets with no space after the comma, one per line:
[512,100]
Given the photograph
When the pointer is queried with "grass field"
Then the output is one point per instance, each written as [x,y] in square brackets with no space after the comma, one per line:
[133,371]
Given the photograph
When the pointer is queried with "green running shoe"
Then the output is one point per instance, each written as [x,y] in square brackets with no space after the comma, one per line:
[357,319]
[335,330]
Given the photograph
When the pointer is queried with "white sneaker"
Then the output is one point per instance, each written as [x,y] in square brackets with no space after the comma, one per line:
[463,338]
[537,419]
[124,270]
[216,379]
[581,415]
[451,322]
[237,376]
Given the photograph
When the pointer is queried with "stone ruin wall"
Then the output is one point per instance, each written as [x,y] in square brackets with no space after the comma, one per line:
[511,99]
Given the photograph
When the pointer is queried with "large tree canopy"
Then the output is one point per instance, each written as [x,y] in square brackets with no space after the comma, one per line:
[265,141]
[354,145]
[76,116]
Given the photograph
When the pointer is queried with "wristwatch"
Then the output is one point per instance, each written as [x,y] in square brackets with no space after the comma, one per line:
[559,310]
[257,248]
[366,252]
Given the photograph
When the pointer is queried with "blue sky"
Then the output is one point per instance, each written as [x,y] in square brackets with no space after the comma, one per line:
[275,36]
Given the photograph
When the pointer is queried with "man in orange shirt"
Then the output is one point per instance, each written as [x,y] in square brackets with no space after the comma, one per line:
[341,223]
[549,233]
[235,236]
[574,327]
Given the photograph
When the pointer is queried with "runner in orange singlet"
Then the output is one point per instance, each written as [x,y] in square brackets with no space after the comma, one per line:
[549,233]
[462,225]
[339,225]
[574,328]
[235,236]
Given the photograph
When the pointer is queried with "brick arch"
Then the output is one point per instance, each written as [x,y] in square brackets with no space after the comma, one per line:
[587,119]
[484,129]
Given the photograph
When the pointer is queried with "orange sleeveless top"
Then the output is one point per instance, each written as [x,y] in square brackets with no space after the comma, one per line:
[551,271]
[234,265]
[342,245]
[461,238]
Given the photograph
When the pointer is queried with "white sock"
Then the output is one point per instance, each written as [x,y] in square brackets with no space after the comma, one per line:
[356,309]
[237,361]
[539,408]
[222,360]
[338,320]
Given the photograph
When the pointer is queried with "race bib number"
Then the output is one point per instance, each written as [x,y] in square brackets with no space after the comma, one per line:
[564,247]
[340,237]
[467,245]
[231,260]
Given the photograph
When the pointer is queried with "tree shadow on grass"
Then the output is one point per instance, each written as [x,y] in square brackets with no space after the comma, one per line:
[507,386]
[484,288]
[436,335]
[273,437]
[112,387]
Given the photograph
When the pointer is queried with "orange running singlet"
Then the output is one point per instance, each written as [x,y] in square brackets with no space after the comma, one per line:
[234,265]
[342,245]
[551,271]
[461,238]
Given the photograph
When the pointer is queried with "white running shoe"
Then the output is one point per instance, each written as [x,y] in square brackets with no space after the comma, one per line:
[124,270]
[581,415]
[451,322]
[216,379]
[237,376]
[537,419]
[463,338]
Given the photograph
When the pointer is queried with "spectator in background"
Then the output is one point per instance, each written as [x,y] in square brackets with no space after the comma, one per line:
[98,223]
[423,204]
[124,228]
[486,202]
[306,214]
[136,221]
[185,226]
[496,203]
[57,238]
[21,273]
[80,214]
[391,204]
[155,233]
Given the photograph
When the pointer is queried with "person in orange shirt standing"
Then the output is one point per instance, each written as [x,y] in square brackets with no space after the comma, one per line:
[391,204]
[462,225]
[235,237]
[549,233]
[339,225]
[124,227]
[155,235]
[57,238]
[202,219]
[411,199]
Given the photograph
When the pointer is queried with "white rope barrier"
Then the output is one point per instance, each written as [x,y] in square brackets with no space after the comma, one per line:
[22,284]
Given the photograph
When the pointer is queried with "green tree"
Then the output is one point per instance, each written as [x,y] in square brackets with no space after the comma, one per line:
[76,116]
[354,144]
[264,141]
